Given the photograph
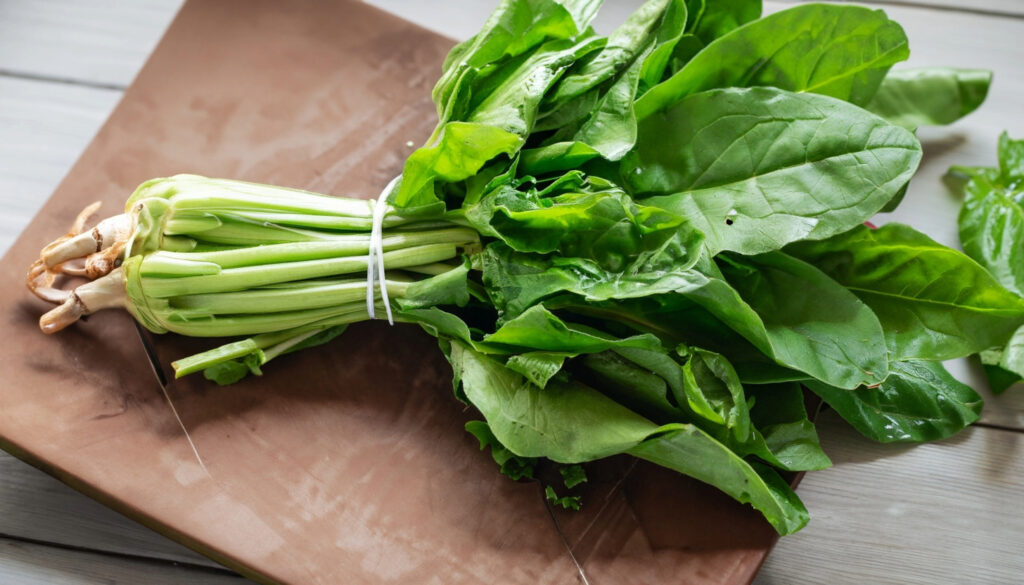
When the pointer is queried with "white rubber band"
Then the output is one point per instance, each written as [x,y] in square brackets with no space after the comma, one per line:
[375,255]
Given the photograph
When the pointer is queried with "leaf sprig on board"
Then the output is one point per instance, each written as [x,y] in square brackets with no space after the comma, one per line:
[644,243]
[991,225]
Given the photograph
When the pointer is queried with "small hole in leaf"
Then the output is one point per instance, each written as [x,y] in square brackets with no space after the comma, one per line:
[728,221]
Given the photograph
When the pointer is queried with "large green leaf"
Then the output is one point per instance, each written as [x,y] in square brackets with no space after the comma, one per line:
[571,423]
[929,96]
[919,401]
[934,302]
[839,51]
[791,312]
[756,169]
[813,323]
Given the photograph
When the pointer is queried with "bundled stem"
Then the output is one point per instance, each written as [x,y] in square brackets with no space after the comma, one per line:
[213,258]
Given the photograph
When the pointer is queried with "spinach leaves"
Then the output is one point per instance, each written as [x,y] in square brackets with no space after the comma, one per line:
[672,242]
[991,231]
[673,239]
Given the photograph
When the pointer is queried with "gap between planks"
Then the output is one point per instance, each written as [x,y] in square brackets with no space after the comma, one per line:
[1001,8]
[115,557]
[26,563]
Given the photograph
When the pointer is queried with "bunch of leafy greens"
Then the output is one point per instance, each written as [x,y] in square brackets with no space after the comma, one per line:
[991,231]
[671,242]
[674,216]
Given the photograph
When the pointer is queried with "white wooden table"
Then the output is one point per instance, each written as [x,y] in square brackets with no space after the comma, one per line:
[949,512]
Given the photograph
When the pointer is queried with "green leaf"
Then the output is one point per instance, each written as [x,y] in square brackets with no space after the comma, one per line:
[573,475]
[691,451]
[713,391]
[1011,161]
[632,385]
[461,151]
[567,502]
[559,422]
[670,33]
[537,366]
[516,281]
[792,313]
[718,17]
[540,329]
[812,323]
[511,465]
[447,288]
[838,51]
[604,226]
[933,302]
[756,169]
[786,437]
[609,83]
[256,353]
[1011,357]
[611,128]
[625,44]
[919,401]
[560,156]
[999,380]
[510,97]
[991,225]
[929,96]
[515,27]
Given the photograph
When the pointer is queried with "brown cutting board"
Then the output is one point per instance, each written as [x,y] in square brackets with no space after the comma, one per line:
[343,464]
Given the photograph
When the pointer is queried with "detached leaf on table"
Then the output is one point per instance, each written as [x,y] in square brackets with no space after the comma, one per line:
[919,401]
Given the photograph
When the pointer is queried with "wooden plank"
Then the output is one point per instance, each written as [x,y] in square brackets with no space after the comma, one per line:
[43,129]
[24,563]
[990,7]
[100,42]
[946,512]
[460,19]
[39,508]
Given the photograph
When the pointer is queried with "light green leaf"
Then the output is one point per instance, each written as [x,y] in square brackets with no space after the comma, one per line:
[812,323]
[571,423]
[919,401]
[929,96]
[838,51]
[933,302]
[756,169]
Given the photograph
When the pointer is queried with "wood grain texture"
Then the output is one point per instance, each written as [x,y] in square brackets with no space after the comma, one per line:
[99,43]
[43,129]
[945,512]
[24,563]
[991,7]
[38,508]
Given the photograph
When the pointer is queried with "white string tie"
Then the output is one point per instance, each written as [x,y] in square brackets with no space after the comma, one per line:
[375,255]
